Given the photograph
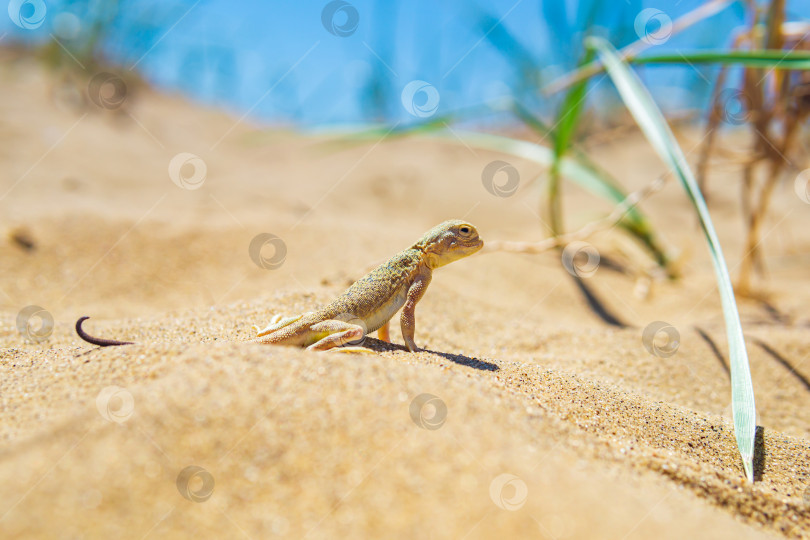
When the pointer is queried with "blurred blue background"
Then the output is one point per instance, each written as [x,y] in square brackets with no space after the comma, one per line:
[321,63]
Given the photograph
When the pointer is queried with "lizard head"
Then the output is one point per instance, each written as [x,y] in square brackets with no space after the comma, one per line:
[449,241]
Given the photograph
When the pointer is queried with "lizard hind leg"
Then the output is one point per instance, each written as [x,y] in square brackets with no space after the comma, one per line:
[338,333]
[277,322]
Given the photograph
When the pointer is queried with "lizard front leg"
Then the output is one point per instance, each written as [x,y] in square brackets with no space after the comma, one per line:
[408,318]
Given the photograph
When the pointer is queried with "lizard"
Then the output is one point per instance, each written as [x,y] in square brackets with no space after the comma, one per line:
[371,302]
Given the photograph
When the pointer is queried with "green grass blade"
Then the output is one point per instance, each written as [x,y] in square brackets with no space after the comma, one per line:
[652,123]
[565,129]
[570,112]
[578,167]
[776,59]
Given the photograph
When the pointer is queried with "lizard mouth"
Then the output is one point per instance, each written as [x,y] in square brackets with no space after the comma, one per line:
[458,249]
[474,245]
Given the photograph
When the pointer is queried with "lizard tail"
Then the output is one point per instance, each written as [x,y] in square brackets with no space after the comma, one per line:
[97,341]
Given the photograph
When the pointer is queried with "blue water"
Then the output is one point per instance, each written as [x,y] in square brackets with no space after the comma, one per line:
[316,63]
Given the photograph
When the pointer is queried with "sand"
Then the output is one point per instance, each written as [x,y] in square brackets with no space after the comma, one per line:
[597,437]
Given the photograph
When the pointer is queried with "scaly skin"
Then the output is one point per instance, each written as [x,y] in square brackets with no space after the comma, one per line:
[371,302]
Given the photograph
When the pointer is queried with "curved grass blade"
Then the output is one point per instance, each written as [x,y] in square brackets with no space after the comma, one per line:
[655,128]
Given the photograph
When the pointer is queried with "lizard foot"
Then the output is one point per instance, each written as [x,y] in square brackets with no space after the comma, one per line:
[277,322]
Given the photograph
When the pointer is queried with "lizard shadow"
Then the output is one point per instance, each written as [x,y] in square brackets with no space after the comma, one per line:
[475,363]
[468,361]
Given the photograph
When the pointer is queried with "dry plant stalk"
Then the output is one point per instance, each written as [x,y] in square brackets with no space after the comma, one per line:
[635,48]
[777,103]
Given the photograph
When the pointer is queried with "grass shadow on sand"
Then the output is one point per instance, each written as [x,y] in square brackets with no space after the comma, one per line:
[715,349]
[784,362]
[759,453]
[597,305]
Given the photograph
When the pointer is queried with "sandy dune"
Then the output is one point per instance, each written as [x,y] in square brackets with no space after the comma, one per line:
[600,439]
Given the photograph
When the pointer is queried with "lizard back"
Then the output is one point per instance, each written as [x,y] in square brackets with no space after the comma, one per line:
[378,295]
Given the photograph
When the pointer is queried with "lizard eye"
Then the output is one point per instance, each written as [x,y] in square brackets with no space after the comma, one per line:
[464,230]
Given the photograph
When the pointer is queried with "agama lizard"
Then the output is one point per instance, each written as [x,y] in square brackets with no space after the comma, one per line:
[371,302]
